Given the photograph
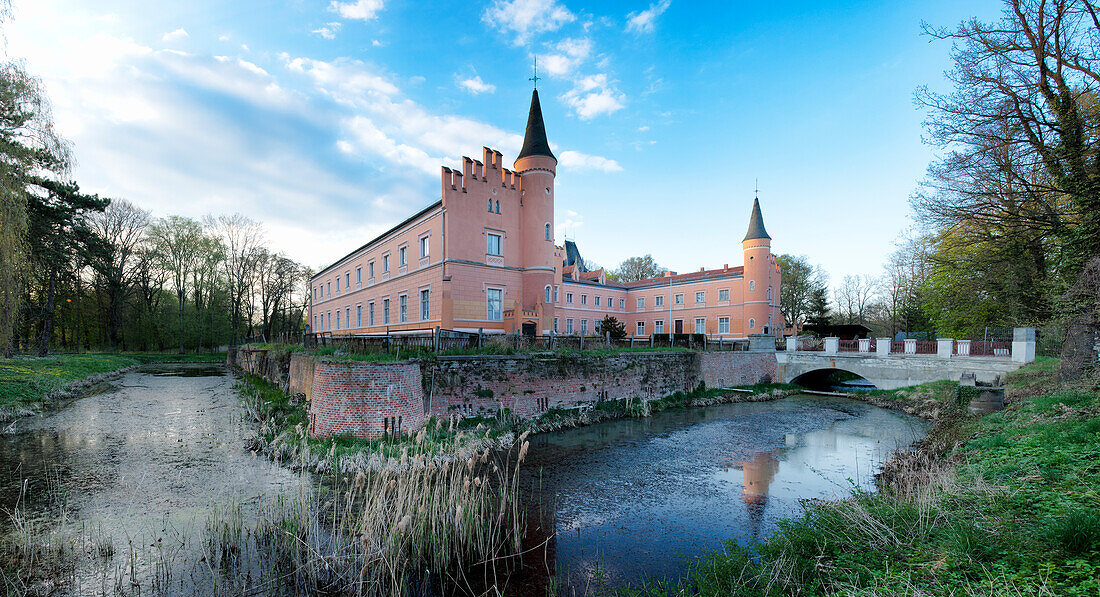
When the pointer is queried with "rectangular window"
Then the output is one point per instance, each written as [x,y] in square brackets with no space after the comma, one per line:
[641,329]
[425,310]
[700,326]
[492,244]
[555,325]
[358,316]
[678,299]
[641,304]
[314,293]
[724,294]
[337,283]
[385,264]
[347,316]
[597,301]
[568,326]
[659,300]
[329,284]
[569,298]
[555,294]
[370,314]
[584,299]
[315,323]
[493,305]
[370,270]
[424,246]
[347,280]
[658,327]
[385,311]
[596,324]
[622,304]
[337,320]
[403,308]
[723,325]
[700,297]
[584,327]
[358,275]
[401,256]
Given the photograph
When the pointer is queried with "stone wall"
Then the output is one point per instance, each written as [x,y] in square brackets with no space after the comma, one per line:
[530,384]
[365,399]
[369,399]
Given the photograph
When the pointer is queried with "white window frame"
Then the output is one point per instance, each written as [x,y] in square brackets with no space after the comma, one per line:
[547,294]
[700,297]
[659,326]
[490,314]
[370,313]
[659,300]
[584,327]
[425,304]
[752,285]
[641,303]
[584,299]
[700,322]
[402,256]
[359,315]
[678,299]
[569,326]
[359,275]
[370,270]
[569,298]
[723,294]
[548,235]
[752,324]
[489,236]
[425,246]
[386,263]
[723,325]
[639,329]
[403,308]
[385,311]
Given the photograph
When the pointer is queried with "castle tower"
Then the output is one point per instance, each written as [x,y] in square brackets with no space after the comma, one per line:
[537,167]
[761,281]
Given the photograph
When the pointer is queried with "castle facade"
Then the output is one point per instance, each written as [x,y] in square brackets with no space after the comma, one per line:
[484,257]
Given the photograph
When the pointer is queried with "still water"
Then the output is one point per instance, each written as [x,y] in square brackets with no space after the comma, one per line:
[630,500]
[144,460]
[139,464]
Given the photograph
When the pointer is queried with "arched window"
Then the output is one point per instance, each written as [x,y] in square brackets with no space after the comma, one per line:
[548,232]
[769,295]
[498,206]
[752,324]
[752,285]
[548,294]
[490,206]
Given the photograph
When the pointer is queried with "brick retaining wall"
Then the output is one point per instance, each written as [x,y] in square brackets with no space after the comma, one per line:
[369,399]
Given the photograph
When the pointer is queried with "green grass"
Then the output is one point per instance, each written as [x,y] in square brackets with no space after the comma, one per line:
[1010,507]
[25,381]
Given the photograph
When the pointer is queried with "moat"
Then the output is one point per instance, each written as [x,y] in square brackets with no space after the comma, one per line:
[147,459]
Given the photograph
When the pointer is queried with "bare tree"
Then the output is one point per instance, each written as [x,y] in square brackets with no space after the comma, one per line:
[242,239]
[853,297]
[176,241]
[122,227]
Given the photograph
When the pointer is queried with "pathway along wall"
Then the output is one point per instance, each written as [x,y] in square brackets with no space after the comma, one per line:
[372,399]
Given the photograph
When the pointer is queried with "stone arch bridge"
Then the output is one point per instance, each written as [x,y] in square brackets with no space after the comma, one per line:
[891,365]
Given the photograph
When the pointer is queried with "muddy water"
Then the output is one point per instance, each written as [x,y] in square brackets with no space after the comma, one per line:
[139,464]
[625,501]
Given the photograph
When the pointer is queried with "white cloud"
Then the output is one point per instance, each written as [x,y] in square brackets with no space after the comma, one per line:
[646,20]
[475,85]
[223,37]
[176,35]
[377,43]
[345,80]
[526,17]
[592,96]
[643,129]
[570,53]
[365,10]
[328,31]
[576,160]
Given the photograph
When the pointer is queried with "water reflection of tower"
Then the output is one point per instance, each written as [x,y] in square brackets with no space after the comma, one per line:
[757,475]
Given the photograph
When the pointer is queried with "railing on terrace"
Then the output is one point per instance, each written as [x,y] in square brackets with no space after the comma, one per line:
[445,340]
[980,348]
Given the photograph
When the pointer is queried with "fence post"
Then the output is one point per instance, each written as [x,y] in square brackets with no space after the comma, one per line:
[882,346]
[435,340]
[479,337]
[551,339]
[632,341]
[944,347]
[607,338]
[1023,345]
[582,341]
[832,345]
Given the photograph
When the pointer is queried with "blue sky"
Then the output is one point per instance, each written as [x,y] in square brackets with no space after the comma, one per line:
[328,120]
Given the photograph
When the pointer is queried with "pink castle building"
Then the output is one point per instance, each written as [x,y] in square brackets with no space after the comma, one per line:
[483,257]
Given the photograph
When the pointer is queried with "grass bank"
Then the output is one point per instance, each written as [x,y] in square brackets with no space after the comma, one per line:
[27,382]
[1006,504]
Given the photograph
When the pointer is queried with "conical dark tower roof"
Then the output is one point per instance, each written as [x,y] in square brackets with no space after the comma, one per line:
[756,223]
[534,140]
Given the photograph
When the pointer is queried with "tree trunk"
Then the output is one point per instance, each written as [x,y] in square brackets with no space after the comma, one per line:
[180,295]
[46,331]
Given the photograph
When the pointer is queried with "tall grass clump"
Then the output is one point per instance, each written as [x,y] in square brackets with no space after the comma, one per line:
[391,532]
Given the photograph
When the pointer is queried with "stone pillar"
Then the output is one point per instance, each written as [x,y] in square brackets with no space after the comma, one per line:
[1023,345]
[792,343]
[962,348]
[761,343]
[882,346]
[910,346]
[945,347]
[832,345]
[865,345]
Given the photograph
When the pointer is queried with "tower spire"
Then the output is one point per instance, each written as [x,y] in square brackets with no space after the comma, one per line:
[756,223]
[535,73]
[534,139]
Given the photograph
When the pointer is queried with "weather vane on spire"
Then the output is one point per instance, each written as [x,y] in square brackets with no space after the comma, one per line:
[756,192]
[535,75]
